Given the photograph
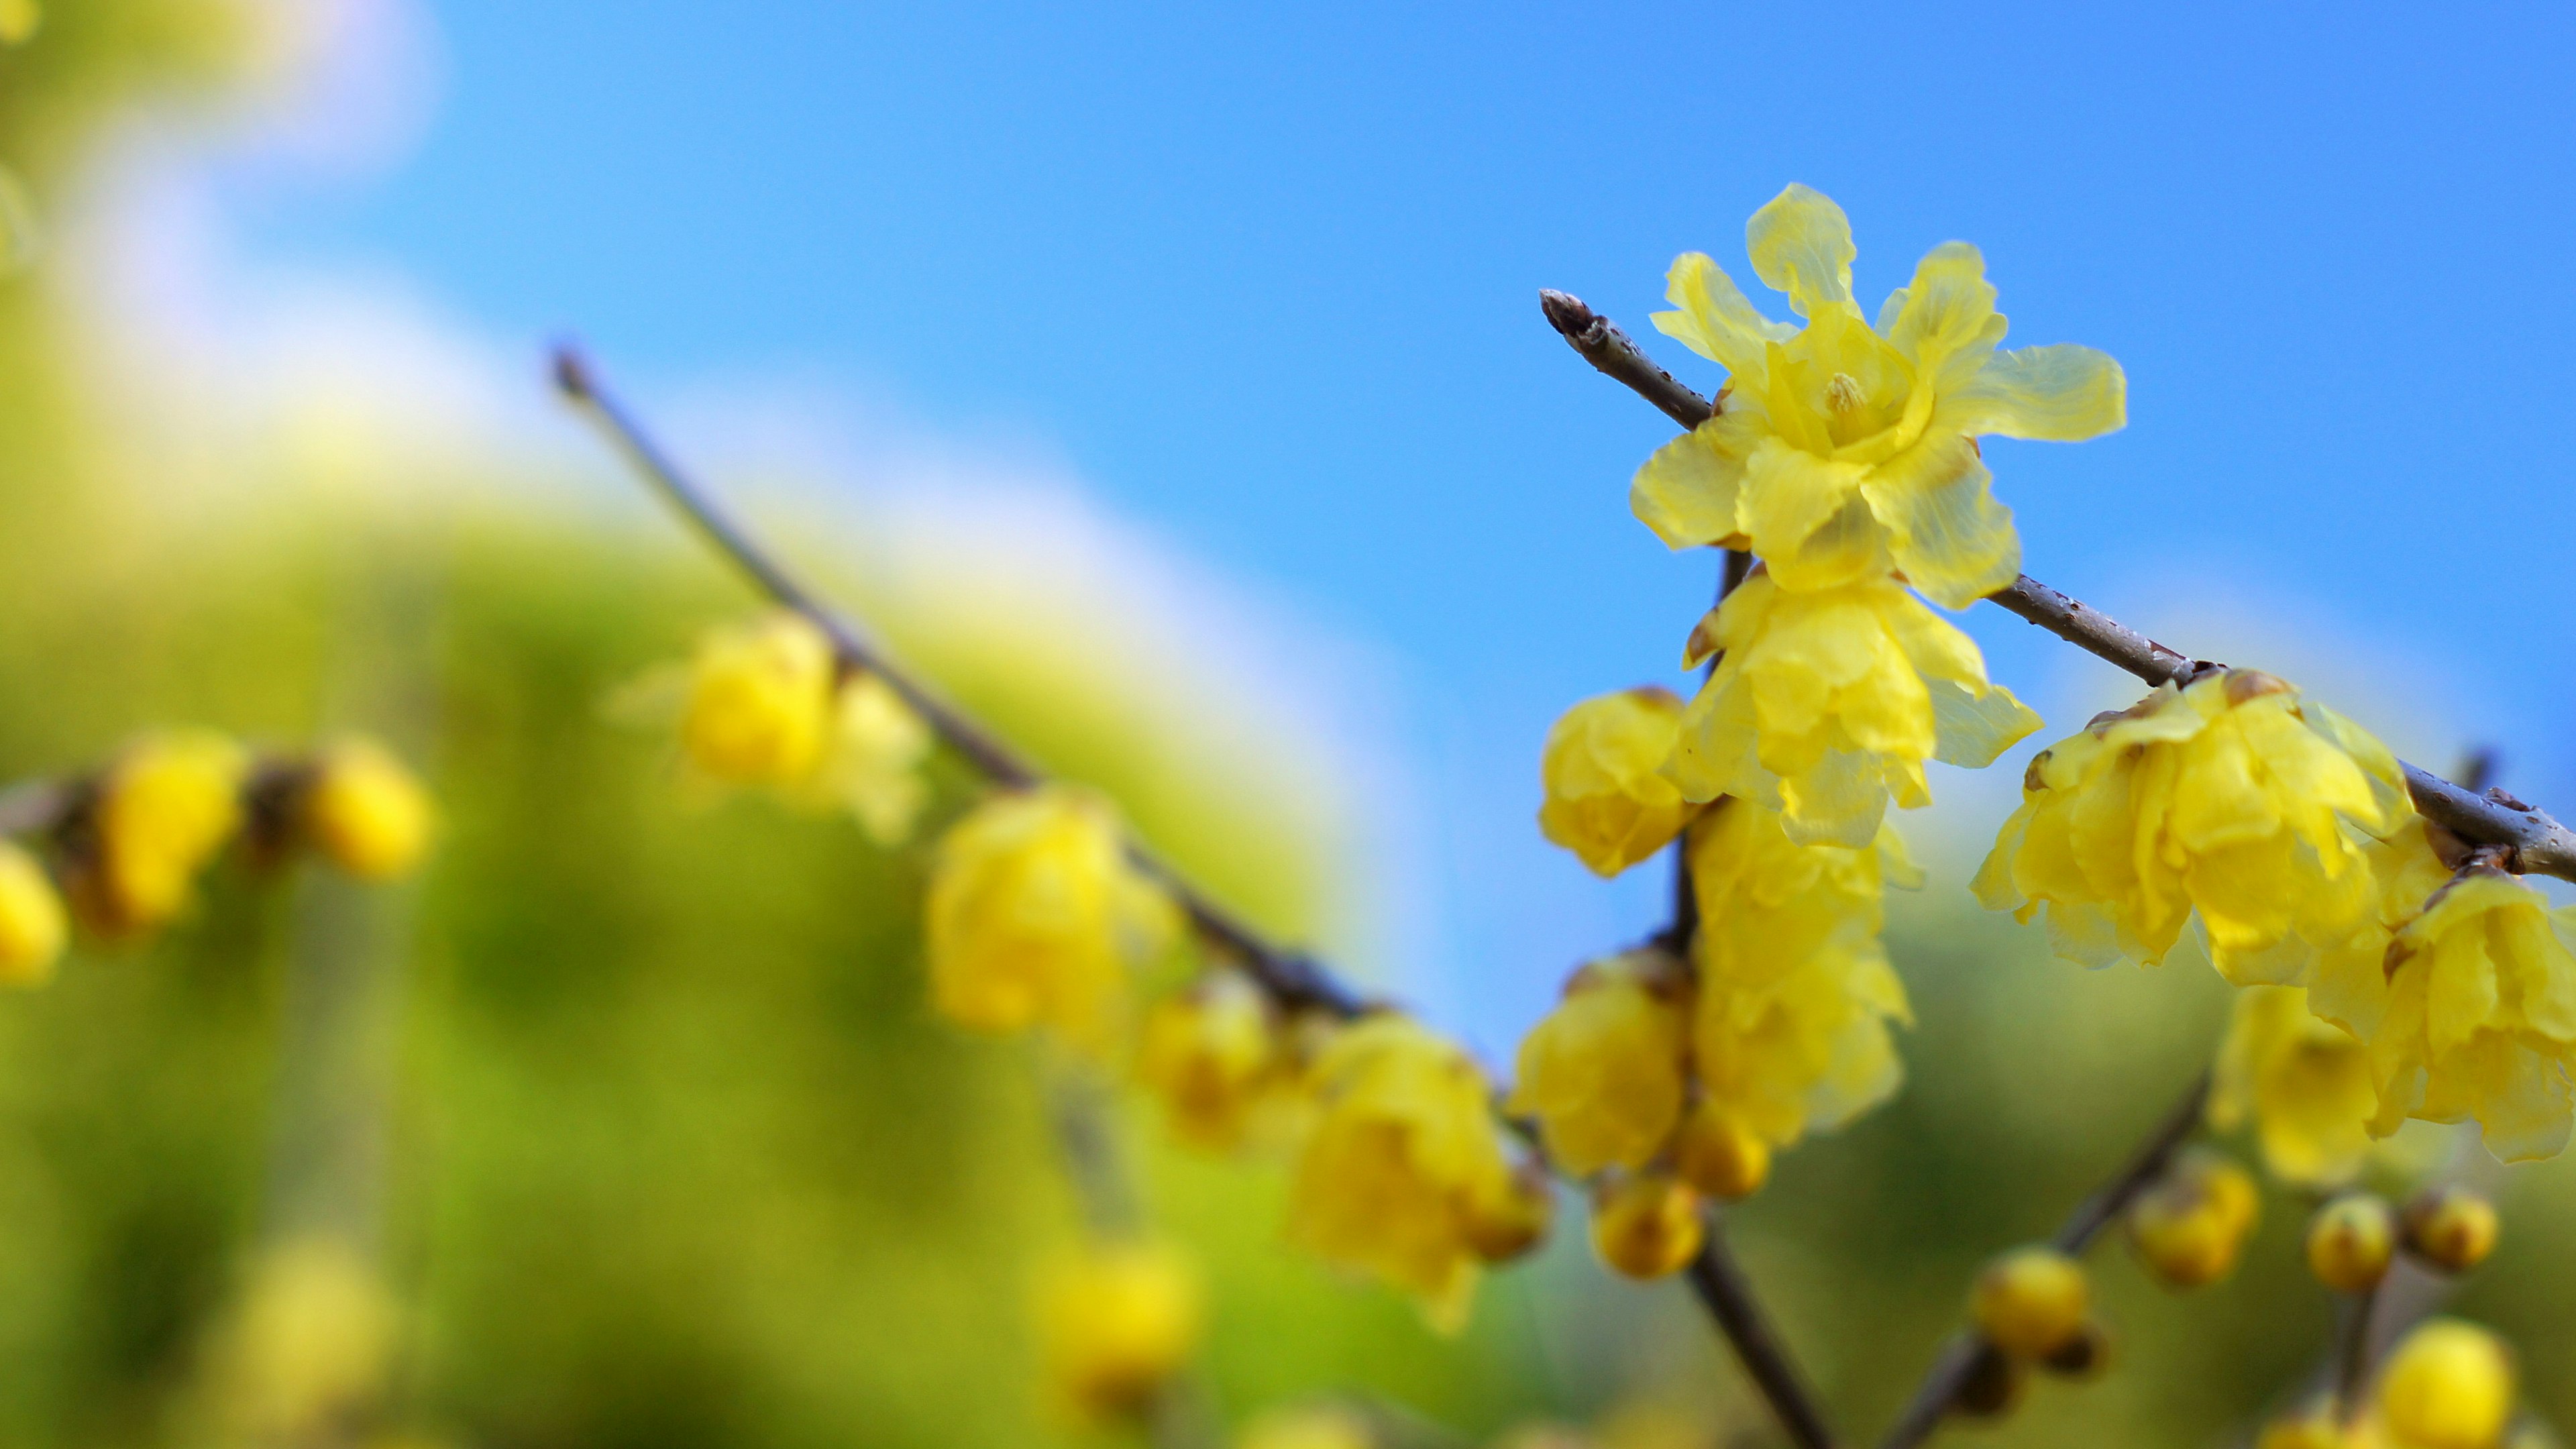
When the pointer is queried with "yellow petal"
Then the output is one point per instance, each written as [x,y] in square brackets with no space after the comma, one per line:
[1687,491]
[2063,393]
[1806,518]
[1972,729]
[1945,530]
[1945,320]
[1801,244]
[1715,320]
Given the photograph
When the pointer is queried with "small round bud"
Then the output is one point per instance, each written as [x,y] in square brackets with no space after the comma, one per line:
[32,923]
[1116,1320]
[2312,1427]
[1993,1387]
[367,813]
[2190,1228]
[2448,1385]
[2451,1228]
[2350,1241]
[2085,1356]
[1719,1156]
[2031,1301]
[1647,1226]
[1507,1223]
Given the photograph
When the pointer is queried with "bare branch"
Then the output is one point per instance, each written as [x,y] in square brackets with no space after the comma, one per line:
[2537,843]
[1721,1285]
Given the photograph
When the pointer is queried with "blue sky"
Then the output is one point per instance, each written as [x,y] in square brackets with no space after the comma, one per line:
[1266,277]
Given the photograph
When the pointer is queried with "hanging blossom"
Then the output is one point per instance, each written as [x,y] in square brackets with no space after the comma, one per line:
[2303,1082]
[1607,799]
[167,805]
[1403,1173]
[1826,702]
[2231,797]
[1215,1057]
[2465,989]
[1604,1073]
[1790,1033]
[1841,451]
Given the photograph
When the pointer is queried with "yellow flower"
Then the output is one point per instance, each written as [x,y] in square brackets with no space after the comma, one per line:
[368,813]
[2469,1004]
[1321,1426]
[1212,1056]
[1841,450]
[163,810]
[31,919]
[1607,798]
[1826,701]
[1647,1225]
[873,761]
[1720,1156]
[2303,1081]
[1790,1032]
[759,708]
[1036,916]
[311,1343]
[1602,1073]
[2448,1385]
[2229,797]
[1115,1322]
[1403,1172]
[2032,1301]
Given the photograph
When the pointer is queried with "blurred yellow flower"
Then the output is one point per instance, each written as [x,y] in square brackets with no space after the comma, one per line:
[2231,797]
[1790,1031]
[2190,1228]
[1841,451]
[2031,1301]
[1115,1322]
[2447,1385]
[1316,1426]
[2304,1082]
[873,763]
[367,812]
[1212,1056]
[1036,916]
[310,1345]
[1827,701]
[163,809]
[31,919]
[759,708]
[1403,1173]
[1647,1225]
[1602,1072]
[19,21]
[2350,1242]
[1608,800]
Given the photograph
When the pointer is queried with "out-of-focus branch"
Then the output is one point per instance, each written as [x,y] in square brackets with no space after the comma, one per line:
[1719,1281]
[32,807]
[2537,843]
[1294,979]
[1967,1353]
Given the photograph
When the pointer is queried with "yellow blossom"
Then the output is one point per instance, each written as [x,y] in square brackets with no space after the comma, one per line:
[2230,797]
[1841,450]
[1212,1056]
[2304,1082]
[1608,800]
[1403,1172]
[1647,1225]
[1036,916]
[1602,1073]
[759,708]
[1318,1426]
[2032,1301]
[367,813]
[1790,1031]
[2448,1385]
[1115,1322]
[872,763]
[1720,1156]
[1828,701]
[31,919]
[163,810]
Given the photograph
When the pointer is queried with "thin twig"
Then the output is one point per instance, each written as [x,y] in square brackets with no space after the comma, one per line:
[1965,1354]
[2352,1359]
[1292,978]
[1721,1285]
[2538,843]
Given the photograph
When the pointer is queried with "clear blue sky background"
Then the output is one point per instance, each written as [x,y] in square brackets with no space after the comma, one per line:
[1267,274]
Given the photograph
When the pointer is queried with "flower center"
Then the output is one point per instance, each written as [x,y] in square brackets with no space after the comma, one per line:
[1843,393]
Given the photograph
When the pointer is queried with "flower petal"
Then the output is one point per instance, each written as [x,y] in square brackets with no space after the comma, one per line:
[1801,244]
[1687,491]
[2062,393]
[1946,323]
[1715,320]
[1804,516]
[1953,541]
[1971,728]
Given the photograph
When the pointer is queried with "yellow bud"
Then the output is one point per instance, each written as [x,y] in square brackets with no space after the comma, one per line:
[1510,1216]
[2190,1228]
[1719,1156]
[2451,1228]
[163,810]
[1115,1322]
[1647,1225]
[2313,1427]
[2449,1385]
[2031,1301]
[2350,1241]
[367,813]
[1211,1055]
[1317,1427]
[31,919]
[760,706]
[1607,800]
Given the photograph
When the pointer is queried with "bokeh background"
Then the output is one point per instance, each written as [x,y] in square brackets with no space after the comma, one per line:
[1170,385]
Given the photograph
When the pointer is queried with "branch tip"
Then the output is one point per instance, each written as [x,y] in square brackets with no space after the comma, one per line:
[572,373]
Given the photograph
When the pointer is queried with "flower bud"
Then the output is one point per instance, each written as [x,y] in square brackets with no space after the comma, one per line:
[2451,1228]
[1993,1387]
[1647,1225]
[367,814]
[2190,1228]
[31,919]
[2085,1356]
[1115,1321]
[2350,1241]
[1606,796]
[1211,1055]
[1719,1156]
[2448,1385]
[2031,1301]
[1505,1221]
[1602,1072]
[164,809]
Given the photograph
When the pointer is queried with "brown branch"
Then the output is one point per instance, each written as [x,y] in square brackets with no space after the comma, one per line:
[2538,843]
[1292,978]
[1721,1285]
[1966,1353]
